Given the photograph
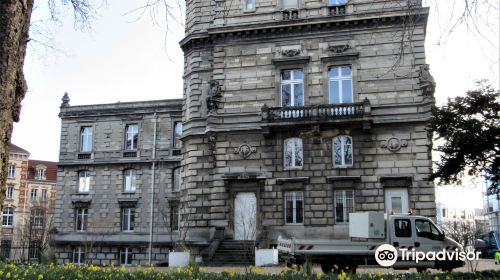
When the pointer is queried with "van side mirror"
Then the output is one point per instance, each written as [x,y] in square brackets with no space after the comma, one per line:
[441,236]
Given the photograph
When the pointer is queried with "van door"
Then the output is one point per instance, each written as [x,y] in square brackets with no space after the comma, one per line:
[402,238]
[427,236]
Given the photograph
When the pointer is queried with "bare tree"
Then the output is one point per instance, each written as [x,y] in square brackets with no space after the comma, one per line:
[464,232]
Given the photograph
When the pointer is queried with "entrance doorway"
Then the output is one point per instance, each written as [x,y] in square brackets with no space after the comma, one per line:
[245,216]
[396,200]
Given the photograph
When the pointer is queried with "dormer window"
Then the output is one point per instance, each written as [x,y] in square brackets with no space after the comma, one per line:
[40,173]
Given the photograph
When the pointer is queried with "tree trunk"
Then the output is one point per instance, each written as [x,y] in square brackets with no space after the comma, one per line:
[14,26]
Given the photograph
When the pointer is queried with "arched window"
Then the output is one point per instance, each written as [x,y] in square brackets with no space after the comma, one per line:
[84,181]
[8,216]
[293,155]
[129,182]
[342,151]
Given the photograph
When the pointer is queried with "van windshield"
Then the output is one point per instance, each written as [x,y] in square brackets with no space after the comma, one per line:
[427,229]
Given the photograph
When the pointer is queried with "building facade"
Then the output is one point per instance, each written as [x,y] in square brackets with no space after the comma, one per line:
[28,207]
[297,113]
[118,182]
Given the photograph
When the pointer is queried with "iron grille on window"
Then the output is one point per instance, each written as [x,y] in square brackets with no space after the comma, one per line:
[129,154]
[84,156]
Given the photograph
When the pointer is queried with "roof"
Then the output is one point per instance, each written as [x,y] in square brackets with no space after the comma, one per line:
[17,149]
[50,172]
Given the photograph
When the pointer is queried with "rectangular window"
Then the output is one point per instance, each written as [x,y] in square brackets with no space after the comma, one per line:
[11,172]
[86,139]
[402,228]
[131,136]
[294,207]
[83,181]
[175,217]
[292,88]
[340,85]
[293,153]
[342,151]
[81,219]
[9,192]
[177,142]
[8,216]
[176,181]
[128,218]
[126,256]
[343,205]
[290,4]
[249,5]
[444,212]
[44,195]
[5,247]
[129,180]
[37,217]
[34,193]
[78,255]
[34,249]
[40,174]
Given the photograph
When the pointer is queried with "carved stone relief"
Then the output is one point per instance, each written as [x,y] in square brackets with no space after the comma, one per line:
[426,81]
[245,150]
[339,48]
[394,144]
[290,52]
[214,97]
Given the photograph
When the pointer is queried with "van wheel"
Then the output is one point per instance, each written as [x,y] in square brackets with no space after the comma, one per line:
[326,267]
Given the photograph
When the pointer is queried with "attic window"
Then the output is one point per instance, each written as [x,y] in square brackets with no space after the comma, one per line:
[337,7]
[40,173]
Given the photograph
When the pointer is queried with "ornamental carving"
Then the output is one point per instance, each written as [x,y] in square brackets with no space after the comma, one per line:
[214,98]
[290,52]
[212,140]
[245,150]
[394,144]
[426,81]
[339,48]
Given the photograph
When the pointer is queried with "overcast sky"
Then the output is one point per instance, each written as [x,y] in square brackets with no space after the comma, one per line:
[122,59]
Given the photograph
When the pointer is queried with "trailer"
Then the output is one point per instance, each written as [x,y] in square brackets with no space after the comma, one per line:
[408,234]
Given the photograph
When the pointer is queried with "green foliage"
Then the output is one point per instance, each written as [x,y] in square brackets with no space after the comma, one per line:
[470,126]
[72,272]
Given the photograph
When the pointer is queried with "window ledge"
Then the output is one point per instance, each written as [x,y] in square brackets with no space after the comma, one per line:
[291,60]
[340,56]
[292,168]
[343,178]
[281,181]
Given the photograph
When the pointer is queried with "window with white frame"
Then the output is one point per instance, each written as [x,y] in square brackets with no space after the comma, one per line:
[343,201]
[81,219]
[340,84]
[175,217]
[78,255]
[128,218]
[44,195]
[86,139]
[249,5]
[342,151]
[131,136]
[337,2]
[294,207]
[34,193]
[293,153]
[37,217]
[83,181]
[177,142]
[40,173]
[126,256]
[129,180]
[290,4]
[9,192]
[292,88]
[8,216]
[176,180]
[11,172]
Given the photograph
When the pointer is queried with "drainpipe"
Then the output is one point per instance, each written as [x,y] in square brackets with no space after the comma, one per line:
[153,166]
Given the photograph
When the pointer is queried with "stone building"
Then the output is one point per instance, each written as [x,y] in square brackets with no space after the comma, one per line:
[297,113]
[28,206]
[118,182]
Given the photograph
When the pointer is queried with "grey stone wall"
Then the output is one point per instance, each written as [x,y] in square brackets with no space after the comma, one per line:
[105,165]
[246,60]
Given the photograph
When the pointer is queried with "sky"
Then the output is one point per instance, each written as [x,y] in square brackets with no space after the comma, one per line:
[129,57]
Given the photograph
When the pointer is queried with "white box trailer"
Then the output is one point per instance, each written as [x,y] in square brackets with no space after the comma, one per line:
[403,232]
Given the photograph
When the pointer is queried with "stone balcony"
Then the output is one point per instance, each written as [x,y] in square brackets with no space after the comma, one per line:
[318,114]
